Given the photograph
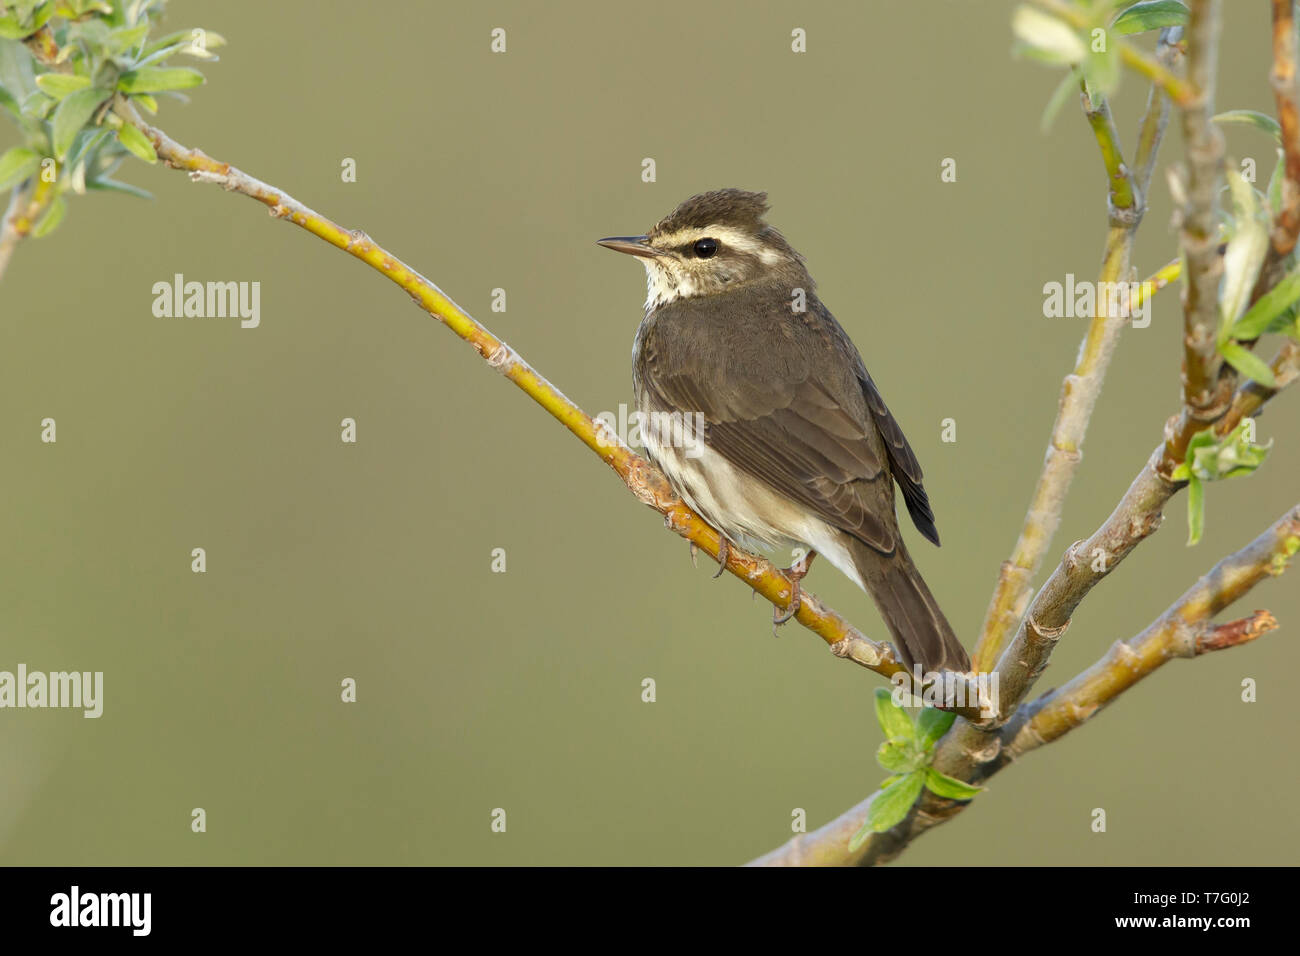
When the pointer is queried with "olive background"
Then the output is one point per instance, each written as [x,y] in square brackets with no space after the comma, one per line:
[522,690]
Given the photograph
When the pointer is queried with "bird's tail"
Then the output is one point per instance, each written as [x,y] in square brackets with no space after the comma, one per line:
[923,635]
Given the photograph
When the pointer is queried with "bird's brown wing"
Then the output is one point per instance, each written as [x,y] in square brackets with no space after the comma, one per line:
[798,417]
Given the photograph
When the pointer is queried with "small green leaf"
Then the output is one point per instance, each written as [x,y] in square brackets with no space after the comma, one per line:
[147,101]
[1274,191]
[894,721]
[943,785]
[1050,38]
[1195,511]
[1150,15]
[897,756]
[1234,455]
[1248,364]
[59,85]
[51,218]
[137,143]
[9,103]
[11,28]
[1245,252]
[1069,84]
[185,38]
[152,79]
[85,143]
[1271,304]
[17,164]
[932,724]
[1253,118]
[73,113]
[1102,72]
[113,185]
[891,805]
[124,38]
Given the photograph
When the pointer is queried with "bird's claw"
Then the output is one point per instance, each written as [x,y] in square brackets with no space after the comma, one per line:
[796,574]
[724,552]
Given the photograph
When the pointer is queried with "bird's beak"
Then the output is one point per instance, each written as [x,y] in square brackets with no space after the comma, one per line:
[632,245]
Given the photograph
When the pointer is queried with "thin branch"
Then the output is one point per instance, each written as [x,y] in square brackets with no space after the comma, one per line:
[1138,515]
[1156,118]
[1282,77]
[1204,396]
[1251,396]
[1124,193]
[641,477]
[1081,387]
[1178,90]
[1184,630]
[1234,633]
[27,204]
[969,751]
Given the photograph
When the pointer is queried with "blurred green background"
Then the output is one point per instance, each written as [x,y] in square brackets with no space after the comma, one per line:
[522,690]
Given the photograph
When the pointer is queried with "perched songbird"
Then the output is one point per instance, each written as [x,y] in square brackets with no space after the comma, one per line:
[775,433]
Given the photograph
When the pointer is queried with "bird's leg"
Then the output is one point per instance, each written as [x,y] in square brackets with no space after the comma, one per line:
[796,574]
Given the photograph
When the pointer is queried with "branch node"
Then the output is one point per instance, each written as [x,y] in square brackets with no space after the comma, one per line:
[1047,634]
[502,358]
[1233,633]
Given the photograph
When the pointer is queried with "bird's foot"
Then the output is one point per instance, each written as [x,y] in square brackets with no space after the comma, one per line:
[724,552]
[796,574]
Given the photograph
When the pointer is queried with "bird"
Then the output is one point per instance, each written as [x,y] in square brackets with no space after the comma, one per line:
[757,406]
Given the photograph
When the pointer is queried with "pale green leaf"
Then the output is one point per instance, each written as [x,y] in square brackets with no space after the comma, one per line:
[891,806]
[897,756]
[1051,38]
[1195,511]
[17,164]
[72,114]
[894,721]
[1150,15]
[1069,84]
[152,79]
[59,85]
[1261,121]
[931,724]
[51,218]
[1245,250]
[1248,364]
[113,185]
[1270,305]
[945,786]
[137,143]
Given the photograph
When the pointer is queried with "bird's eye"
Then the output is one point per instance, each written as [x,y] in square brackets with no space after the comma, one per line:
[706,248]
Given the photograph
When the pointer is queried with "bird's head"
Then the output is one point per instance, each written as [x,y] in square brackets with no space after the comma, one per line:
[711,244]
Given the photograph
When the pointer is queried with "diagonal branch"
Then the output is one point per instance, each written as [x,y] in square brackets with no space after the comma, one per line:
[1184,630]
[1079,392]
[641,477]
[1153,68]
[1282,77]
[1205,395]
[27,204]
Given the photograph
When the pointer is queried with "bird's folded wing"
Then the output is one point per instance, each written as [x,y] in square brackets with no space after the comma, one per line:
[800,440]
